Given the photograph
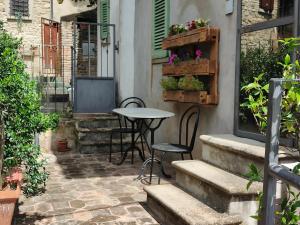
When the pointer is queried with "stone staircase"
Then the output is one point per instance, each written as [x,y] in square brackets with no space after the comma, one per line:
[93,133]
[212,191]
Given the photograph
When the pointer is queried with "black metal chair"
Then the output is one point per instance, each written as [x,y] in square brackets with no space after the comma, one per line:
[180,148]
[124,127]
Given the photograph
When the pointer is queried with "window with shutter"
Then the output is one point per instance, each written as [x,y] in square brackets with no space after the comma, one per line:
[160,24]
[104,18]
[19,8]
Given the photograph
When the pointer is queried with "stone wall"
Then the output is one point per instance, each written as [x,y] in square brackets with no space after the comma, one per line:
[251,14]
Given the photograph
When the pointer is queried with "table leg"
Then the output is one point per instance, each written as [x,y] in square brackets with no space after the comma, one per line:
[132,147]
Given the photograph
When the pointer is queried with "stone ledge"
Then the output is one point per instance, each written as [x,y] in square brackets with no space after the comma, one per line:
[226,182]
[242,146]
[187,208]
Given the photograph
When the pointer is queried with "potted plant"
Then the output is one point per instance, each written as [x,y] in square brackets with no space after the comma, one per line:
[194,90]
[170,87]
[62,145]
[10,187]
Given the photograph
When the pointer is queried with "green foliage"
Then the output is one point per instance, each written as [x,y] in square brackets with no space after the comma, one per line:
[190,84]
[259,60]
[21,115]
[169,84]
[256,101]
[289,206]
[257,95]
[254,175]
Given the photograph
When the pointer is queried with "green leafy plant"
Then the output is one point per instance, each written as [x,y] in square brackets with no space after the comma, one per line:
[190,84]
[20,106]
[289,205]
[256,93]
[169,84]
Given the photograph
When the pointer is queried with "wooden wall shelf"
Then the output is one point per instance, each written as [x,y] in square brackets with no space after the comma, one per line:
[193,67]
[209,66]
[206,34]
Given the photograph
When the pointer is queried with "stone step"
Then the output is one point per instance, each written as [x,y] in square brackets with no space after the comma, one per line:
[234,154]
[103,121]
[98,134]
[89,147]
[221,190]
[173,206]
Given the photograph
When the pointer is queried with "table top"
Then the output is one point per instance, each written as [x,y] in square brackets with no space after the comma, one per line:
[143,113]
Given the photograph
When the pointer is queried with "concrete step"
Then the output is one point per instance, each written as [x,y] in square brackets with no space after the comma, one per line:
[173,206]
[234,154]
[221,190]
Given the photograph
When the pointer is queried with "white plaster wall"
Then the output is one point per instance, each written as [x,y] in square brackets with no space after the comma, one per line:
[127,47]
[214,119]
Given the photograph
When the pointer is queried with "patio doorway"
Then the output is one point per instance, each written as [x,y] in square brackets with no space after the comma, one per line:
[93,69]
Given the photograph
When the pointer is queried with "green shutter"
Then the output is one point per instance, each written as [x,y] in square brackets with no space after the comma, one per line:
[160,25]
[104,18]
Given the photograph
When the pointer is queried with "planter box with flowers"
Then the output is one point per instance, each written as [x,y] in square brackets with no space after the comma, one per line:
[191,67]
[194,58]
[186,89]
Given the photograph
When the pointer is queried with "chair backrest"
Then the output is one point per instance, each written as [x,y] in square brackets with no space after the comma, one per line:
[185,122]
[130,102]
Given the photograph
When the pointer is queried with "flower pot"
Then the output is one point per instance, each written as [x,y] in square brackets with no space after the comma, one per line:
[8,199]
[62,145]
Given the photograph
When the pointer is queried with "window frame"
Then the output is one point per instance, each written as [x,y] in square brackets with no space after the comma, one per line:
[252,28]
[24,18]
[160,53]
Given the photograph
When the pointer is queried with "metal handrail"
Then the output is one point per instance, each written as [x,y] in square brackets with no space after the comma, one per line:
[272,169]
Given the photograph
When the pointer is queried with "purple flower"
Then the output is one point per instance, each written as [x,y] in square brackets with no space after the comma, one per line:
[172,58]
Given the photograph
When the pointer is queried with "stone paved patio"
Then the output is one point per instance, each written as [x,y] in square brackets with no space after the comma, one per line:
[87,189]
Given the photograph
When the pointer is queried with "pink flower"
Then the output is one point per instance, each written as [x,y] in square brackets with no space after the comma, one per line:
[199,53]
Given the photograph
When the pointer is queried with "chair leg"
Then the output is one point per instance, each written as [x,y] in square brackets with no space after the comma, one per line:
[161,167]
[191,156]
[110,147]
[143,149]
[121,141]
[182,157]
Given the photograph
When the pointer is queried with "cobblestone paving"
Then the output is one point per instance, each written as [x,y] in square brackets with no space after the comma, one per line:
[87,189]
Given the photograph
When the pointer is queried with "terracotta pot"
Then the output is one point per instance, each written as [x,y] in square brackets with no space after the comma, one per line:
[9,197]
[62,145]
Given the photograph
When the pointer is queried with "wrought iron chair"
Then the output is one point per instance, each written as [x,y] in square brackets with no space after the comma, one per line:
[188,146]
[124,127]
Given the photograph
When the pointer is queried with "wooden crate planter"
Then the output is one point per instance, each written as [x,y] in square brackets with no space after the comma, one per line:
[204,67]
[172,95]
[194,96]
[193,67]
[205,34]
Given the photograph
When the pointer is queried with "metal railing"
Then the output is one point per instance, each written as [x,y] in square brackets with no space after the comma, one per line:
[272,170]
[51,67]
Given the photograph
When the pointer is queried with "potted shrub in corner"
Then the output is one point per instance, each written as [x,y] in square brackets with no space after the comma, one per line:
[22,119]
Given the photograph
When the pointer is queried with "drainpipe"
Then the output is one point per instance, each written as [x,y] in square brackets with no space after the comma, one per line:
[51,9]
